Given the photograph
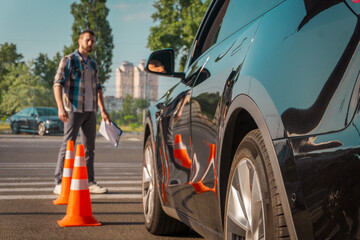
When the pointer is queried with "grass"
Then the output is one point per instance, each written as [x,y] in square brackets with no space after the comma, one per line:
[4,127]
[138,129]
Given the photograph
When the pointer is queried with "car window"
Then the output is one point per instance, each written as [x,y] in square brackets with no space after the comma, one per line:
[209,31]
[32,111]
[25,112]
[47,111]
[21,112]
[213,34]
[241,12]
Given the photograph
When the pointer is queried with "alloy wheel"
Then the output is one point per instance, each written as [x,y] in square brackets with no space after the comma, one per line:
[148,184]
[245,207]
[41,129]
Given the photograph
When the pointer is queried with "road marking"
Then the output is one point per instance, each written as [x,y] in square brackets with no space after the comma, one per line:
[53,165]
[133,139]
[111,189]
[99,178]
[93,196]
[52,183]
[47,169]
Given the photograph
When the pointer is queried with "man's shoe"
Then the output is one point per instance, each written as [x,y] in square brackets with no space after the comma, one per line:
[95,188]
[57,189]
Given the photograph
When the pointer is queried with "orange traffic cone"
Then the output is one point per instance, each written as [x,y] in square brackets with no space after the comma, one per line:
[180,153]
[67,175]
[79,212]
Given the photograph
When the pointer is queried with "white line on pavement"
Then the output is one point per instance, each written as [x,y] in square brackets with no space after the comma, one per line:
[52,183]
[98,196]
[99,178]
[11,164]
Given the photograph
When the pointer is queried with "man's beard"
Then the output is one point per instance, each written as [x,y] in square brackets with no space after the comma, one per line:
[89,49]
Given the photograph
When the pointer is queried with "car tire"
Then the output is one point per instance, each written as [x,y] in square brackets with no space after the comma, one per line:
[15,128]
[41,129]
[253,208]
[156,220]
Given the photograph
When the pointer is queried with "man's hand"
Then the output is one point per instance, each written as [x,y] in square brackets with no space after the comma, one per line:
[100,100]
[105,116]
[63,115]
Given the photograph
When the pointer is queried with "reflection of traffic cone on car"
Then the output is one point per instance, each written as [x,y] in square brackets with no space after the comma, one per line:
[79,212]
[180,153]
[67,175]
[199,186]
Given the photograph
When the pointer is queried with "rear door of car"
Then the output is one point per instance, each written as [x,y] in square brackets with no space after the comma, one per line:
[218,57]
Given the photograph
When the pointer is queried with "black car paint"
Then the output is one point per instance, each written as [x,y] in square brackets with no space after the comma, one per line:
[303,52]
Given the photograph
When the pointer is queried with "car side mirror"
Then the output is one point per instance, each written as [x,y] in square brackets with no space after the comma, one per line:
[162,62]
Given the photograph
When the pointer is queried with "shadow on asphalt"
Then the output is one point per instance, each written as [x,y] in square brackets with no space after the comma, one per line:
[115,202]
[118,213]
[121,223]
[29,213]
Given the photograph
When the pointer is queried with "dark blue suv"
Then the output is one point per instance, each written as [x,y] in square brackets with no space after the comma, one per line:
[260,136]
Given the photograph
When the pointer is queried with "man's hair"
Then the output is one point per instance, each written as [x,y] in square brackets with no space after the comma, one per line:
[91,32]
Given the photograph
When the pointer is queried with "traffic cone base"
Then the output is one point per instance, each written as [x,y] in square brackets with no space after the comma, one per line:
[77,215]
[76,221]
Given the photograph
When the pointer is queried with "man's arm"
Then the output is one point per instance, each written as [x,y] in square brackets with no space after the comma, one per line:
[100,102]
[63,115]
[59,81]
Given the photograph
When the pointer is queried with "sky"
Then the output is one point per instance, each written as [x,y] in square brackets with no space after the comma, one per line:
[44,26]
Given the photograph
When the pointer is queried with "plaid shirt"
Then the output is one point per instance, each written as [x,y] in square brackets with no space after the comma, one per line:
[70,76]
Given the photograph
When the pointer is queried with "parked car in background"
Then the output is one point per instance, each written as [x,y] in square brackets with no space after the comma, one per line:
[260,137]
[43,120]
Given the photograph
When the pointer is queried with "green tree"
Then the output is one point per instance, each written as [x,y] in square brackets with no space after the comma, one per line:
[129,119]
[92,14]
[140,103]
[46,68]
[128,106]
[22,84]
[8,57]
[178,21]
[132,110]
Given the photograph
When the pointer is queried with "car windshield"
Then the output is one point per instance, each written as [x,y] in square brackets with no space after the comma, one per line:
[47,111]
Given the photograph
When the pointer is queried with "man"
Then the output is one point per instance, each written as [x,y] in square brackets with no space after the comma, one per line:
[78,91]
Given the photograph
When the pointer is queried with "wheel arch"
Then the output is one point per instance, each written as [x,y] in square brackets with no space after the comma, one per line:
[243,110]
[147,132]
[14,121]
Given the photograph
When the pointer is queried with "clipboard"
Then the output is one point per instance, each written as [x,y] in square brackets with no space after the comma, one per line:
[111,132]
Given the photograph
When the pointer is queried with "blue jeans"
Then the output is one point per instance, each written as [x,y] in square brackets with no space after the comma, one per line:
[86,123]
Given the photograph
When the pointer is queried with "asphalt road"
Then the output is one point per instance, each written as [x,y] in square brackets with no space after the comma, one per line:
[27,166]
